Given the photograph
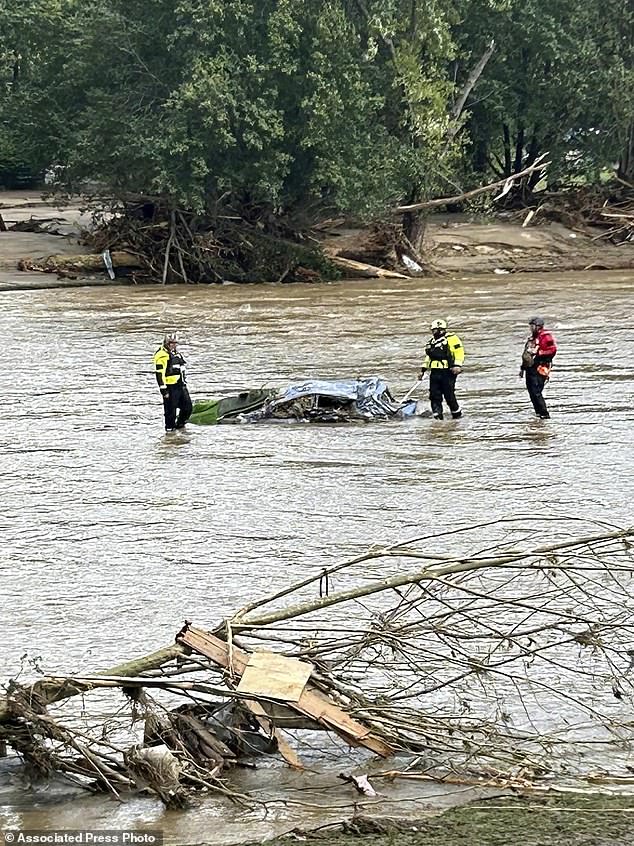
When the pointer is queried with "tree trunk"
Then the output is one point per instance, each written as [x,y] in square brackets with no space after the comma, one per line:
[521,188]
[86,262]
[414,224]
[625,168]
[533,152]
[480,158]
[507,150]
[519,149]
[467,88]
[46,692]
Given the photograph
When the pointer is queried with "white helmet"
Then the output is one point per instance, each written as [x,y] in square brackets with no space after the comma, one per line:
[438,324]
[170,338]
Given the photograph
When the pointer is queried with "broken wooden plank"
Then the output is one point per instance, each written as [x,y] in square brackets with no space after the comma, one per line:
[315,703]
[214,648]
[286,750]
[312,703]
[283,717]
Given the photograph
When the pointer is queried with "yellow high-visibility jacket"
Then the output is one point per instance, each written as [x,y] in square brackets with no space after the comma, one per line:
[444,352]
[170,368]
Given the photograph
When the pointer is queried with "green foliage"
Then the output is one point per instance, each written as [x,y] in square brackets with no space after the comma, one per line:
[266,101]
[341,105]
[560,80]
[23,27]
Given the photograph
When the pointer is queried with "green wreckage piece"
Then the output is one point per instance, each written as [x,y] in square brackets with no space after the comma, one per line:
[210,412]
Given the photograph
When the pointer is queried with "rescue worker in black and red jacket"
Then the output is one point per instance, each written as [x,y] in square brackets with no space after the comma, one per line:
[169,365]
[444,358]
[537,359]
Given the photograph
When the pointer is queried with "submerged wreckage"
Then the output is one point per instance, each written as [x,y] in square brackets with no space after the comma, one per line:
[314,401]
[463,662]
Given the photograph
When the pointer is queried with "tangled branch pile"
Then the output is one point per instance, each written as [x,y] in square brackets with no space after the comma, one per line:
[507,662]
[608,208]
[174,245]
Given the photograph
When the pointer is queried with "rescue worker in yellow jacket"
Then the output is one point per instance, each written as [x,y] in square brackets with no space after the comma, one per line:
[169,365]
[444,358]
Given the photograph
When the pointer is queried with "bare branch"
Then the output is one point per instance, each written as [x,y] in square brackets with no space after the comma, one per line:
[430,204]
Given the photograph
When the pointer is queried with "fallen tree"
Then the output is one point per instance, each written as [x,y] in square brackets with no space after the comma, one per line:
[83,263]
[506,661]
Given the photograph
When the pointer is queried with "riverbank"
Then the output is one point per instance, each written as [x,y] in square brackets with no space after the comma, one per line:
[556,821]
[454,245]
[60,234]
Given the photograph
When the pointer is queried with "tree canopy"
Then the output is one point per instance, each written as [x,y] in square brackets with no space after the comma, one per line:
[346,105]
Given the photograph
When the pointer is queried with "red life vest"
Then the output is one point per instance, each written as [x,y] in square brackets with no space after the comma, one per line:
[545,344]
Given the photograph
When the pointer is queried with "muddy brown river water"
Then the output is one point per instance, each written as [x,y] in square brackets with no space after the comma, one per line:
[113,533]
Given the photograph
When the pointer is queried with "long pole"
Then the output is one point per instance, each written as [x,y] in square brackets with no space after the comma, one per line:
[411,390]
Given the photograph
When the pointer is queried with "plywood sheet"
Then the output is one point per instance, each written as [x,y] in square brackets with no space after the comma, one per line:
[274,676]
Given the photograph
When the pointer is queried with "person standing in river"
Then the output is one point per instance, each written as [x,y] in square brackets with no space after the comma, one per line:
[539,350]
[444,358]
[169,366]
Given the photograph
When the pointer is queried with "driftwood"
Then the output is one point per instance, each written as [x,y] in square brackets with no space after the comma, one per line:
[468,195]
[360,269]
[376,251]
[603,212]
[84,263]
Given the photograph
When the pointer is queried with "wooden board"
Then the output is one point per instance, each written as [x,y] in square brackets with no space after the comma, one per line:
[286,750]
[312,703]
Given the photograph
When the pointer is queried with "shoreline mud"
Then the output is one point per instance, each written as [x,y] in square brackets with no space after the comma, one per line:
[600,820]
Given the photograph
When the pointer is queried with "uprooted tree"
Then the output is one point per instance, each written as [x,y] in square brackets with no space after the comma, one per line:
[504,661]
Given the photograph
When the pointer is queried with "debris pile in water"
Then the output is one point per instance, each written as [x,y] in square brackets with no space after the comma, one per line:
[603,212]
[245,243]
[504,661]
